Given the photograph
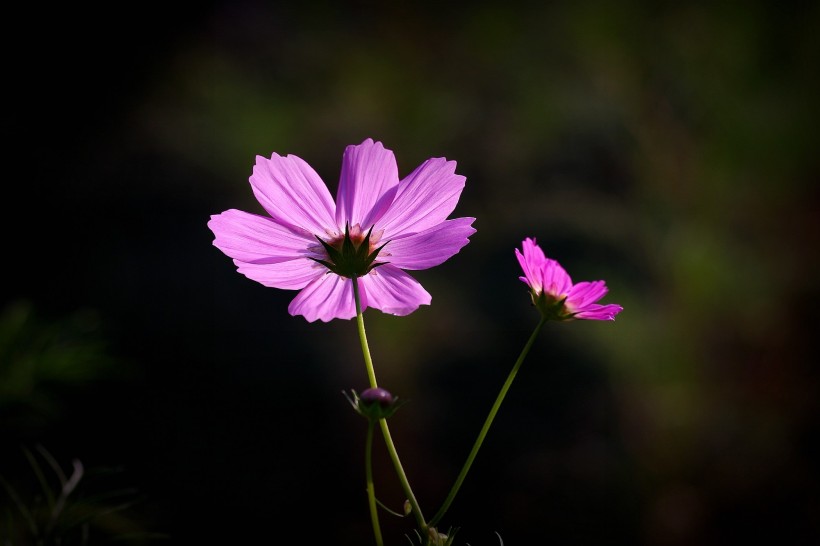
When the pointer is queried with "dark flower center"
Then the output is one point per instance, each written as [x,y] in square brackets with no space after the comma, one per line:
[353,254]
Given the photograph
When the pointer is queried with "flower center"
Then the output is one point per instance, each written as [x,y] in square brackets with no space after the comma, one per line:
[353,254]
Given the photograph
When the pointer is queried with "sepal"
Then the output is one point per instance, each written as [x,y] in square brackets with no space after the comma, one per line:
[550,307]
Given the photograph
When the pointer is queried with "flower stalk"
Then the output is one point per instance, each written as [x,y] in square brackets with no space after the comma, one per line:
[487,424]
[371,488]
[388,439]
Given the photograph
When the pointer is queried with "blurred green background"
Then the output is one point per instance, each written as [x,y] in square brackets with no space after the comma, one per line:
[671,150]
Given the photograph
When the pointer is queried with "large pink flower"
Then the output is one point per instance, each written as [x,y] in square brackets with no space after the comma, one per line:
[378,227]
[554,294]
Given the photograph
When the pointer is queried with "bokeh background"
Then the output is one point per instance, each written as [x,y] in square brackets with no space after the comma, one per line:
[671,150]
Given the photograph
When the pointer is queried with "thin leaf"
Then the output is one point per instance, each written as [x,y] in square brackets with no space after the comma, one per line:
[68,487]
[388,510]
[41,478]
[53,463]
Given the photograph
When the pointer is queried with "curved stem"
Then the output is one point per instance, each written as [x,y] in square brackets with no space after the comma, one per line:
[371,488]
[487,423]
[388,440]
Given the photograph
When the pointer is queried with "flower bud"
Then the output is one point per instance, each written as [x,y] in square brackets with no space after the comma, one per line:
[374,403]
[377,395]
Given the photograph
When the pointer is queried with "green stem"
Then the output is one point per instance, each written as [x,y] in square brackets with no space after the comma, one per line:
[391,448]
[493,411]
[368,361]
[371,489]
[405,483]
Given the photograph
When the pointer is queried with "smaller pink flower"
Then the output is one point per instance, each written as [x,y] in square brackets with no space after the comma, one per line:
[554,294]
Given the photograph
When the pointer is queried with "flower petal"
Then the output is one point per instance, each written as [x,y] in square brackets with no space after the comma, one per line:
[531,259]
[585,293]
[292,193]
[554,279]
[581,301]
[600,312]
[263,250]
[393,291]
[287,275]
[425,198]
[328,297]
[248,237]
[367,184]
[429,248]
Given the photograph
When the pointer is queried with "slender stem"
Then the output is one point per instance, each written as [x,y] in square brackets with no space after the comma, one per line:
[391,448]
[371,488]
[405,483]
[368,361]
[493,411]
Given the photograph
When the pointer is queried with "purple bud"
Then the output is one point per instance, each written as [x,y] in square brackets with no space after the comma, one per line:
[378,394]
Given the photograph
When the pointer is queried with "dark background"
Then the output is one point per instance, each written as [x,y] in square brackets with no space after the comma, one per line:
[671,151]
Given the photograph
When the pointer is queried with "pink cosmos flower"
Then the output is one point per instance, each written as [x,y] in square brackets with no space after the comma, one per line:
[554,294]
[378,227]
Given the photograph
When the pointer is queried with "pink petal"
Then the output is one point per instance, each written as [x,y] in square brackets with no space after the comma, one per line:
[600,312]
[367,184]
[532,252]
[430,247]
[248,237]
[292,193]
[328,297]
[532,272]
[532,260]
[393,291]
[287,275]
[585,293]
[554,278]
[424,199]
[263,250]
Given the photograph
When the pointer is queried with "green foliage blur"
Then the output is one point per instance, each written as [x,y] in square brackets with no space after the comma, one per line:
[43,362]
